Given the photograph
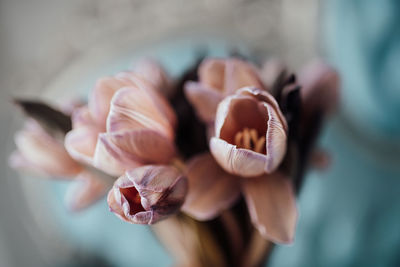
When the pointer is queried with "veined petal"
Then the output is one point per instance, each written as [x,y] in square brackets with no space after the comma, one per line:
[111,159]
[158,100]
[100,98]
[271,202]
[205,100]
[153,72]
[81,144]
[138,146]
[237,161]
[276,140]
[211,189]
[133,109]
[148,194]
[85,190]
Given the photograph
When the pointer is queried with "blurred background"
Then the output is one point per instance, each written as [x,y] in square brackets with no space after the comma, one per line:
[349,215]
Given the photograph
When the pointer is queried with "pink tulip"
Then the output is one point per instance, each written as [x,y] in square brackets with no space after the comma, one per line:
[43,153]
[219,78]
[270,197]
[126,124]
[148,194]
[250,133]
[40,152]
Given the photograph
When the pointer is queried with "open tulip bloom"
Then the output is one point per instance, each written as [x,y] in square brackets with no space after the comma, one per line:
[228,132]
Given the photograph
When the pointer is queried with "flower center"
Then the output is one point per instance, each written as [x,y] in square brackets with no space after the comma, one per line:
[249,139]
[133,198]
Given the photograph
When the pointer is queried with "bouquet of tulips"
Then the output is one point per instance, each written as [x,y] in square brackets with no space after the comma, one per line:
[212,160]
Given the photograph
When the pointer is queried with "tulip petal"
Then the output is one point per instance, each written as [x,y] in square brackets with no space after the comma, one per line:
[115,206]
[133,148]
[204,100]
[320,87]
[211,73]
[153,72]
[272,206]
[237,161]
[276,140]
[160,189]
[267,98]
[211,189]
[41,151]
[101,95]
[132,109]
[109,158]
[19,162]
[85,190]
[82,117]
[158,100]
[81,144]
[123,202]
[238,74]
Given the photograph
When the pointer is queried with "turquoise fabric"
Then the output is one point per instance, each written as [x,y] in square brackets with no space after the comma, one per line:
[350,216]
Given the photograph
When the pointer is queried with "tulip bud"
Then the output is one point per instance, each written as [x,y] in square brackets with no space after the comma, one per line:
[148,194]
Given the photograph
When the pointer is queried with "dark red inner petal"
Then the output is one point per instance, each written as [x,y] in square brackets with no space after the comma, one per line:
[133,198]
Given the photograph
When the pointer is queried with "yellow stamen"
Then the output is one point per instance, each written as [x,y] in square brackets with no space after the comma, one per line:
[246,138]
[259,146]
[249,139]
[238,139]
[254,136]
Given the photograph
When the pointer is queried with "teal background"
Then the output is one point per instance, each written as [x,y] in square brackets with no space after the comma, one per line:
[350,216]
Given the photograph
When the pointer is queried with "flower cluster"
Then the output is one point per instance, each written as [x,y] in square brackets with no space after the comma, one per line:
[260,123]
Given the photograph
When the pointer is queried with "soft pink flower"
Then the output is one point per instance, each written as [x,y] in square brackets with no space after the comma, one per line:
[40,152]
[126,124]
[250,133]
[43,153]
[270,198]
[219,78]
[148,194]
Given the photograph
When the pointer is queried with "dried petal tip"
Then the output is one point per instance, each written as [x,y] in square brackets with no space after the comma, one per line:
[148,194]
